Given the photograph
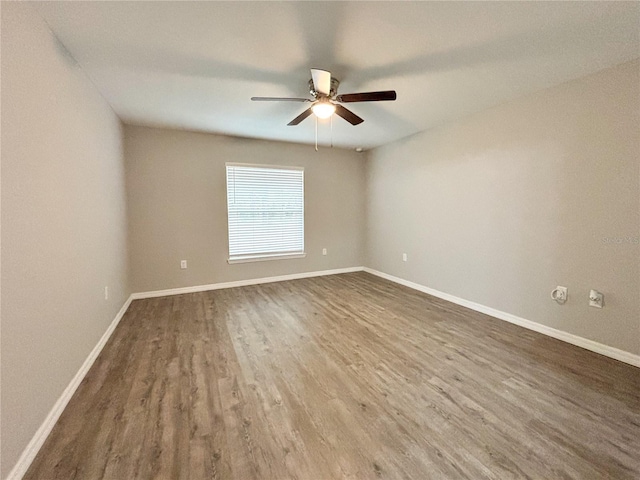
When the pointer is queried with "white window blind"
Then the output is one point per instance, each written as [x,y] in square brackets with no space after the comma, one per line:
[265,211]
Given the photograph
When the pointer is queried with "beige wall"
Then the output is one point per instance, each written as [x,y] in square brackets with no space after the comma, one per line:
[501,207]
[177,206]
[63,223]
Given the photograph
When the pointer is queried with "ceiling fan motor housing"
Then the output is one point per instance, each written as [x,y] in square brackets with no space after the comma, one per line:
[333,91]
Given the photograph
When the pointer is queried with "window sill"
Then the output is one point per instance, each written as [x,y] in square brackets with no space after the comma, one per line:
[262,258]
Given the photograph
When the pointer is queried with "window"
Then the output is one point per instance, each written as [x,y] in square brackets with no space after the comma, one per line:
[265,207]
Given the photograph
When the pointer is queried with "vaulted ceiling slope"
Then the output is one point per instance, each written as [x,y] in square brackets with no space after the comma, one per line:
[195,65]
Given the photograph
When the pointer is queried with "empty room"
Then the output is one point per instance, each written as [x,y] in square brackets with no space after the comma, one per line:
[320,240]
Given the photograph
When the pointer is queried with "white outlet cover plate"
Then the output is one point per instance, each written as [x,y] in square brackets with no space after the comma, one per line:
[599,299]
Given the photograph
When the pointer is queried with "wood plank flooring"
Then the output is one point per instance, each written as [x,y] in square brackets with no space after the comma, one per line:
[345,376]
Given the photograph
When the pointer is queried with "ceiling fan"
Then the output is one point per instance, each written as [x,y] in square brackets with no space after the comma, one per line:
[326,101]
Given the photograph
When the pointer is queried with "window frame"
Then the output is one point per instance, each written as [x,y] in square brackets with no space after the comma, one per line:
[260,257]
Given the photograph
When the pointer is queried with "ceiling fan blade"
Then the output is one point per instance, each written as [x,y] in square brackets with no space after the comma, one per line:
[300,117]
[367,96]
[279,99]
[321,81]
[348,115]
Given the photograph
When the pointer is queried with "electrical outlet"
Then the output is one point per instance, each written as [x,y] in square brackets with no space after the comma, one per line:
[183,264]
[560,294]
[404,257]
[106,293]
[324,251]
[596,299]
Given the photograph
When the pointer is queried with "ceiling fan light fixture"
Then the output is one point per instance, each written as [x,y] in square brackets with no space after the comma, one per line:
[323,109]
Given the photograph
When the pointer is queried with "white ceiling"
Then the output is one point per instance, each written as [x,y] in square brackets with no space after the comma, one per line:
[194,65]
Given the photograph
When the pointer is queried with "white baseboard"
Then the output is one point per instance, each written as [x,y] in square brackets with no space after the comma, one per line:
[242,283]
[32,448]
[615,353]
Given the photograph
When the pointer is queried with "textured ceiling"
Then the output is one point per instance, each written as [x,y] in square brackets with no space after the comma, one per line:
[195,65]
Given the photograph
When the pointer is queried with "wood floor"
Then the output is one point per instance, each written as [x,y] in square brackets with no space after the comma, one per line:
[345,376]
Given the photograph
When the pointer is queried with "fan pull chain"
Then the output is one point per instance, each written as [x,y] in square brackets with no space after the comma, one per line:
[316,134]
[331,123]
